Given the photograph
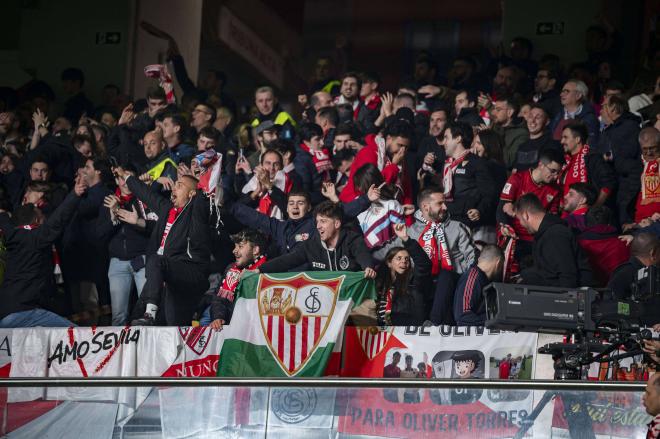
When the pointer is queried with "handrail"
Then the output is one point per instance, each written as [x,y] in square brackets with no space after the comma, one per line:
[615,386]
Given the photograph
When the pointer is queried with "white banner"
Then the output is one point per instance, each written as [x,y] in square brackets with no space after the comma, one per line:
[110,352]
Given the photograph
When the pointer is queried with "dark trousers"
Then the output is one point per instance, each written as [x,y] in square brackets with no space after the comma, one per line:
[175,286]
[442,308]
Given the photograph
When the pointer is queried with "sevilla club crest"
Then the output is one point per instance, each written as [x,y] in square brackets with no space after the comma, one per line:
[373,339]
[197,338]
[295,313]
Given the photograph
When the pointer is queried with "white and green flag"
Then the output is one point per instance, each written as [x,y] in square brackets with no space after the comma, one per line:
[289,324]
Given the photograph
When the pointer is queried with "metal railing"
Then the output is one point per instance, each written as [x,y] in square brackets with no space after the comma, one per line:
[615,386]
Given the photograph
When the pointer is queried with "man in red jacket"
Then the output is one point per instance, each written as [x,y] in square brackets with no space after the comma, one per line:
[388,152]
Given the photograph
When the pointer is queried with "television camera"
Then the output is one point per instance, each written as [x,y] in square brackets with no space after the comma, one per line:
[598,324]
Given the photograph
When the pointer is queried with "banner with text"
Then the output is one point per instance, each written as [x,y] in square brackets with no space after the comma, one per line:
[437,352]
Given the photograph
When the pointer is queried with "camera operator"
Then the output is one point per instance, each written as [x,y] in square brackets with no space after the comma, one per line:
[644,250]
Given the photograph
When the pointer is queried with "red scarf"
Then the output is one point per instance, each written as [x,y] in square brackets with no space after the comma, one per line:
[321,159]
[57,268]
[508,246]
[575,169]
[373,102]
[230,282]
[123,199]
[431,235]
[171,219]
[448,175]
[650,183]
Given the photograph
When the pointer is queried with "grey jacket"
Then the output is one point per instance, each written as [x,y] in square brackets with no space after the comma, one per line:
[459,239]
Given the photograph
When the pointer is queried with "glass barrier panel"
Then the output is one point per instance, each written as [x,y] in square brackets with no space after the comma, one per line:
[212,411]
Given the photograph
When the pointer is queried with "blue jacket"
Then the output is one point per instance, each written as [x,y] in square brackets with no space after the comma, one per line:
[182,153]
[469,305]
[588,117]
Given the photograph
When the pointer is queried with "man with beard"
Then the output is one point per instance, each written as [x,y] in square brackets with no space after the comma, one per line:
[249,249]
[430,153]
[646,174]
[349,92]
[448,245]
[178,251]
[577,201]
[558,259]
[388,153]
[540,139]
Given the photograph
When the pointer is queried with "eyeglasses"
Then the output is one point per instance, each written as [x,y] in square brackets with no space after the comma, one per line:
[650,149]
[553,171]
[200,110]
[565,90]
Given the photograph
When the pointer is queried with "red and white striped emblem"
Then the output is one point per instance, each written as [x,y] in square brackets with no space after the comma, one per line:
[294,343]
[197,338]
[373,340]
[295,313]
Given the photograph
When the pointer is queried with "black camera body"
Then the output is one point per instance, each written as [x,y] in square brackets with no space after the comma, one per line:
[647,284]
[553,310]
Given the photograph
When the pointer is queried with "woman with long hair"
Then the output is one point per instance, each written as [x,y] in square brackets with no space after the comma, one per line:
[401,281]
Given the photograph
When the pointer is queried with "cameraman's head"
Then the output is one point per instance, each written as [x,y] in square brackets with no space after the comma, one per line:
[646,248]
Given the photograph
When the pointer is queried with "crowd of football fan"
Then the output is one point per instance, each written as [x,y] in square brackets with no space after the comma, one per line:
[151,209]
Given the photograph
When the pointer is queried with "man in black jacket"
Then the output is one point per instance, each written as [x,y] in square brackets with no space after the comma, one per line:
[469,189]
[29,270]
[332,249]
[644,252]
[178,251]
[558,260]
[84,257]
